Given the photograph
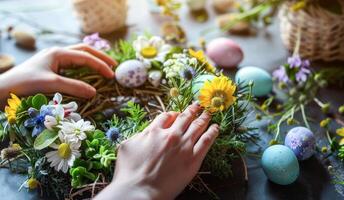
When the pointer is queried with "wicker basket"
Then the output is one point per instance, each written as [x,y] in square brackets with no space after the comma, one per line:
[322,33]
[102,16]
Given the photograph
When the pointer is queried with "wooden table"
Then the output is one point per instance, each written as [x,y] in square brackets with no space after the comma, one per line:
[264,50]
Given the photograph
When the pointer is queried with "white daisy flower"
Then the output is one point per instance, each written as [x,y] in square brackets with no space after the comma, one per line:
[64,155]
[151,49]
[75,131]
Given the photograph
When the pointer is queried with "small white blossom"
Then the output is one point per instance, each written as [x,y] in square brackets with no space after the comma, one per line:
[75,131]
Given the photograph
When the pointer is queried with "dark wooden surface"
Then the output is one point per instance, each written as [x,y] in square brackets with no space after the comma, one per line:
[264,50]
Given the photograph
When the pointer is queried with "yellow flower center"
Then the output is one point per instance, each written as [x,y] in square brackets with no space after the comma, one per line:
[64,151]
[174,92]
[32,183]
[149,52]
[217,102]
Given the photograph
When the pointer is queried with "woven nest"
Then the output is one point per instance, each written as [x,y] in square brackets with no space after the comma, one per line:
[322,32]
[112,97]
[102,16]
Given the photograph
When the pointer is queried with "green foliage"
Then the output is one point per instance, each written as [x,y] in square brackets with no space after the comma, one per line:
[233,135]
[98,158]
[341,153]
[36,102]
[135,121]
[39,100]
[123,51]
[185,96]
[44,139]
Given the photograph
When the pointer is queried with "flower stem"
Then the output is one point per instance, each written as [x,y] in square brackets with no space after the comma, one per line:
[304,116]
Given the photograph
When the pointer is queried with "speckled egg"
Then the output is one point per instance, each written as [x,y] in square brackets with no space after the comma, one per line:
[280,164]
[224,52]
[262,80]
[301,141]
[131,74]
[199,82]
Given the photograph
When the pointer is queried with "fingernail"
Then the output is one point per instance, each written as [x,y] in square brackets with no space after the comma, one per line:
[196,103]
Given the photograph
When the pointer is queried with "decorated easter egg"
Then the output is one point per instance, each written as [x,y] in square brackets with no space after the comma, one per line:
[154,77]
[301,141]
[224,52]
[131,74]
[280,164]
[199,82]
[262,80]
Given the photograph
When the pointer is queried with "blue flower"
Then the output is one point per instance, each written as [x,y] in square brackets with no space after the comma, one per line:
[36,120]
[113,134]
[188,73]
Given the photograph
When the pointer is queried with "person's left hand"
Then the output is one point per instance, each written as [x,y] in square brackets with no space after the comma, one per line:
[40,73]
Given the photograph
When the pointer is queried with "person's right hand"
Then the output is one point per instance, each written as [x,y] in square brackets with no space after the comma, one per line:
[40,73]
[159,162]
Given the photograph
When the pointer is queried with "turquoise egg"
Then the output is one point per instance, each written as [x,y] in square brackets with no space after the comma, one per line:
[280,164]
[262,80]
[199,82]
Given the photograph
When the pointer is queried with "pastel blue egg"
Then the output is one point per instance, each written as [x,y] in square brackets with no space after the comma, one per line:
[262,80]
[301,141]
[199,82]
[280,164]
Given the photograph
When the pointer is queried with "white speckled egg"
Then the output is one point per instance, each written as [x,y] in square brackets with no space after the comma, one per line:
[131,74]
[262,80]
[224,52]
[280,164]
[154,77]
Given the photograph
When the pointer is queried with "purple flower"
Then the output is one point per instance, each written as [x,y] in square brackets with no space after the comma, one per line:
[294,62]
[97,42]
[302,74]
[280,74]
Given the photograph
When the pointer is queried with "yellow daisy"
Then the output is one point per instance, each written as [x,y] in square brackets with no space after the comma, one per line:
[217,94]
[199,55]
[12,107]
[340,132]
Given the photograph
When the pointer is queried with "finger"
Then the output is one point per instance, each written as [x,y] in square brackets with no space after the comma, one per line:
[73,87]
[99,54]
[197,127]
[73,57]
[164,120]
[185,118]
[204,143]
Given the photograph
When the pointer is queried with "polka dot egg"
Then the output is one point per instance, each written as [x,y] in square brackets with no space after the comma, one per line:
[280,164]
[301,141]
[131,74]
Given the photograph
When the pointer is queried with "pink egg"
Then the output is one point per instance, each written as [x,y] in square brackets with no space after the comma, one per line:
[224,52]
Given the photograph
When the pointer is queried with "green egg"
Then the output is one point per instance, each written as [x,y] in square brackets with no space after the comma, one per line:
[199,82]
[262,80]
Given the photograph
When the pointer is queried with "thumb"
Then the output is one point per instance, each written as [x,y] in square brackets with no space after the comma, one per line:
[75,87]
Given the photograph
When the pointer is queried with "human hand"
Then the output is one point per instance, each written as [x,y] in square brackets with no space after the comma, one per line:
[40,73]
[159,162]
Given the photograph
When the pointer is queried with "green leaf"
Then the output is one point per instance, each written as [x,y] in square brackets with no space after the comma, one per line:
[332,6]
[39,100]
[45,139]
